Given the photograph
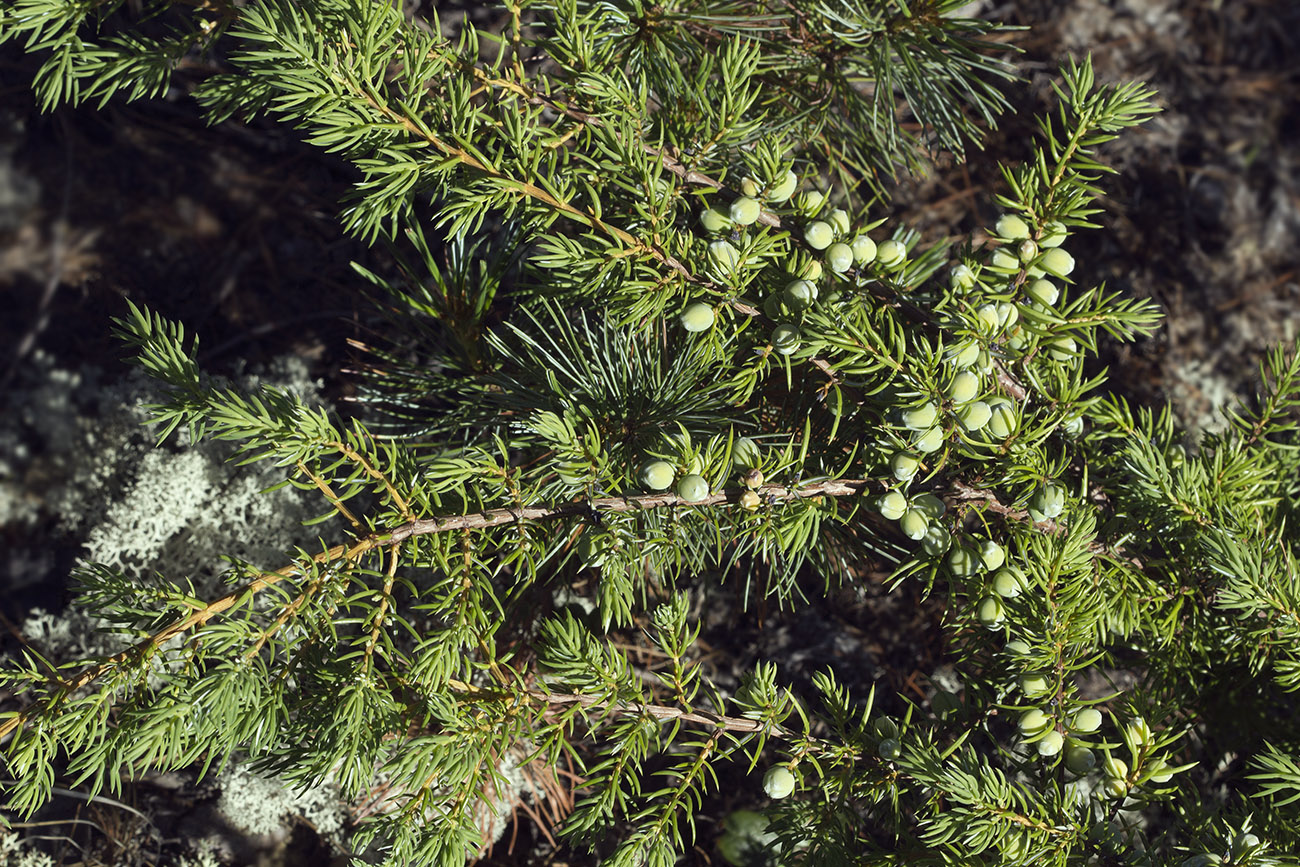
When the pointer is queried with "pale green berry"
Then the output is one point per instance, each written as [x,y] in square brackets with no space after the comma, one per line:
[657,475]
[1035,683]
[1003,261]
[749,187]
[819,234]
[784,188]
[1139,733]
[1050,744]
[1054,235]
[1043,291]
[864,250]
[812,270]
[920,418]
[745,211]
[593,549]
[1085,720]
[810,202]
[693,488]
[1048,502]
[1243,844]
[745,453]
[1018,341]
[1017,648]
[991,554]
[1014,847]
[974,415]
[1056,262]
[1116,776]
[987,319]
[785,338]
[745,823]
[904,466]
[984,361]
[1073,427]
[914,523]
[1034,722]
[936,540]
[963,562]
[749,501]
[800,295]
[778,782]
[1114,767]
[1160,771]
[714,221]
[889,749]
[929,441]
[1011,228]
[839,256]
[772,306]
[1006,584]
[990,612]
[892,505]
[1205,859]
[884,728]
[963,387]
[839,220]
[1003,421]
[961,277]
[1026,250]
[724,255]
[1008,314]
[930,504]
[963,354]
[890,254]
[697,317]
[1062,348]
[1080,761]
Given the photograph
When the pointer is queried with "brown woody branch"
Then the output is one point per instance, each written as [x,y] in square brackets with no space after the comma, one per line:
[480,520]
[665,713]
[635,503]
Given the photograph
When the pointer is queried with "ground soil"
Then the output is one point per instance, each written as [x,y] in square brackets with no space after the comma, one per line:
[232,229]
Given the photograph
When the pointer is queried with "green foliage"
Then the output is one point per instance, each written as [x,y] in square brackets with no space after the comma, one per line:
[545,217]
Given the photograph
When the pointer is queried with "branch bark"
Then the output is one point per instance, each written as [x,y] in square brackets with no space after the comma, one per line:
[498,517]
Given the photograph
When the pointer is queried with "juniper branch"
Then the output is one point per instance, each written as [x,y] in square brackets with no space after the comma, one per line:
[196,618]
[397,535]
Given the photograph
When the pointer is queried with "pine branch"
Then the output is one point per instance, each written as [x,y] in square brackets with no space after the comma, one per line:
[496,517]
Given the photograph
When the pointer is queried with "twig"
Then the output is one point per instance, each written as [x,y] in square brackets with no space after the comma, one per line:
[512,515]
[665,713]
